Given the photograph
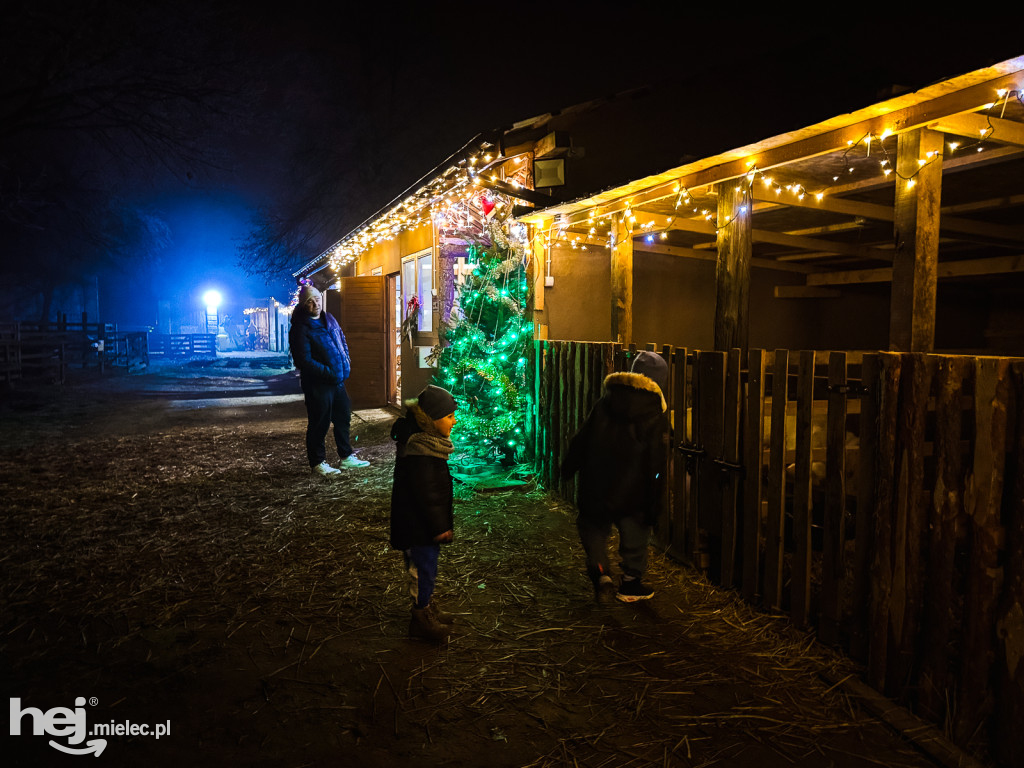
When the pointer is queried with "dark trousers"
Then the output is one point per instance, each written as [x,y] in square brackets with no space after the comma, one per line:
[633,540]
[421,565]
[326,404]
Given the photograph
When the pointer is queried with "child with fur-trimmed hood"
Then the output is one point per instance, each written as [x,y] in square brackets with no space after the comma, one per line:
[620,453]
[422,500]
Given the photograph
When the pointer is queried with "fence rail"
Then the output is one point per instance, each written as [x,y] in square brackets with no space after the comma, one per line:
[875,497]
[45,351]
[183,344]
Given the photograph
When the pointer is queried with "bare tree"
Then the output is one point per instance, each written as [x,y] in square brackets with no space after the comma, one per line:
[99,99]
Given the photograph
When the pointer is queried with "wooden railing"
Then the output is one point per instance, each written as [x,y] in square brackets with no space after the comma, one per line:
[45,351]
[183,344]
[885,511]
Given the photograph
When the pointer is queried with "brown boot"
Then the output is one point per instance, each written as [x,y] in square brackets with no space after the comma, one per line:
[442,616]
[424,625]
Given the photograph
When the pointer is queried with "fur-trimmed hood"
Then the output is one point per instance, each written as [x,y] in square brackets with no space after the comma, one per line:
[423,421]
[632,382]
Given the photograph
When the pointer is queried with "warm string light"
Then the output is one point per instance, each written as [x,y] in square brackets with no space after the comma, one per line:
[684,199]
[460,183]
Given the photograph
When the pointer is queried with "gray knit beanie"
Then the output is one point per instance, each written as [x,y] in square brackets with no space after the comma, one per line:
[308,291]
[436,402]
[653,366]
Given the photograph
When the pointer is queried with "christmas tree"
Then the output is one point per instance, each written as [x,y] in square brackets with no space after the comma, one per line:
[482,357]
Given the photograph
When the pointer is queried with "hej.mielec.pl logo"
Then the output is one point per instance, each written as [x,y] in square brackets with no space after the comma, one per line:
[61,722]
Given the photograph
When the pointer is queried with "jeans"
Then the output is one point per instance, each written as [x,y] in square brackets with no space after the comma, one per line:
[326,403]
[421,565]
[633,540]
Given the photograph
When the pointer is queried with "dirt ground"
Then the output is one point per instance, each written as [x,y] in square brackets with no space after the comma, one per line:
[168,556]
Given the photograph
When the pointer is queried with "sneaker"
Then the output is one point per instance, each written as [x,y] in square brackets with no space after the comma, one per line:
[353,462]
[325,469]
[604,587]
[631,590]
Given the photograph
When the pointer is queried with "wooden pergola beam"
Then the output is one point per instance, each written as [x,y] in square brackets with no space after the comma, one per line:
[995,265]
[949,224]
[663,223]
[692,253]
[782,150]
[979,126]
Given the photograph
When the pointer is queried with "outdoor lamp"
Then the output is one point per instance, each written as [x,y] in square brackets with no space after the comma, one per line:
[212,299]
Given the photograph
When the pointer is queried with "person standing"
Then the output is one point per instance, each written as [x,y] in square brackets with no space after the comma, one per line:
[422,501]
[620,453]
[320,352]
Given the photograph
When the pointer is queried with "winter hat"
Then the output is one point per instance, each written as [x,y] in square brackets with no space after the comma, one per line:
[436,402]
[653,366]
[307,292]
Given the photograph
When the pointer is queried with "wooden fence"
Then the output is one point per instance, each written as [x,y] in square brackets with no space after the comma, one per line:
[45,351]
[875,497]
[183,344]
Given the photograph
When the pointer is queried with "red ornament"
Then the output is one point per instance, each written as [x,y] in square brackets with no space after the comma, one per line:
[486,205]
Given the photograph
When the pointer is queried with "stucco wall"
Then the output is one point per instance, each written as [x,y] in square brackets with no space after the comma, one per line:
[674,303]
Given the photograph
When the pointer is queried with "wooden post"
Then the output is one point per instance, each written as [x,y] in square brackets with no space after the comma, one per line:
[776,524]
[664,525]
[800,589]
[1009,708]
[985,572]
[732,269]
[753,437]
[833,560]
[693,541]
[711,386]
[916,230]
[622,280]
[535,273]
[731,477]
[867,431]
[883,514]
[537,370]
[910,540]
[681,464]
[946,523]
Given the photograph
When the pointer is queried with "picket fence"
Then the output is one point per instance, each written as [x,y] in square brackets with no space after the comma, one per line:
[877,498]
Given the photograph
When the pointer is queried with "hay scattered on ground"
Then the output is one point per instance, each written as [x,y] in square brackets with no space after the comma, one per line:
[189,566]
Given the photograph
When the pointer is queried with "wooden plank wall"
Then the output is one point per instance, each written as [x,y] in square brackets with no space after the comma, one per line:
[877,498]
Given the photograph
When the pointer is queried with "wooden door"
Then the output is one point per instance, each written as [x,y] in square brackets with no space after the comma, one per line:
[360,307]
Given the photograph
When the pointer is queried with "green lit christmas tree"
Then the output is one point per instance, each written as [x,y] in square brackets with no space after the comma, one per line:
[482,357]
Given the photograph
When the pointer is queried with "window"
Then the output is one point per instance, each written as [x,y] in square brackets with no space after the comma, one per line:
[418,281]
[425,278]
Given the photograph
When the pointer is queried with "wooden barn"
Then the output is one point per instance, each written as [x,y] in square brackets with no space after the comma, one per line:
[840,306]
[405,259]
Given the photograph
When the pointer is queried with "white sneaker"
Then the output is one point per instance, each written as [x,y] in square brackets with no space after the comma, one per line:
[353,462]
[325,469]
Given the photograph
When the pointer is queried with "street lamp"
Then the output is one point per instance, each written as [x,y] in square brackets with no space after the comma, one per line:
[212,300]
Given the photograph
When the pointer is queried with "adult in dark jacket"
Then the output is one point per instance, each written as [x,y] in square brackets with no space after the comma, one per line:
[422,501]
[620,453]
[320,352]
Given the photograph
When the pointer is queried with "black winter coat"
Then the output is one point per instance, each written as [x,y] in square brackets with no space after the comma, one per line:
[620,452]
[421,494]
[318,349]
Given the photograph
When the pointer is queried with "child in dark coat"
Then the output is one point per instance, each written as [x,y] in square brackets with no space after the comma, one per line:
[422,500]
[620,453]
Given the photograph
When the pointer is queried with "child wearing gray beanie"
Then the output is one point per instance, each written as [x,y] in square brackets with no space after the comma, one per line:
[422,502]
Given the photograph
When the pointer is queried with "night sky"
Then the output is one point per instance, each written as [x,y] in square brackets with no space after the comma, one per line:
[144,141]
